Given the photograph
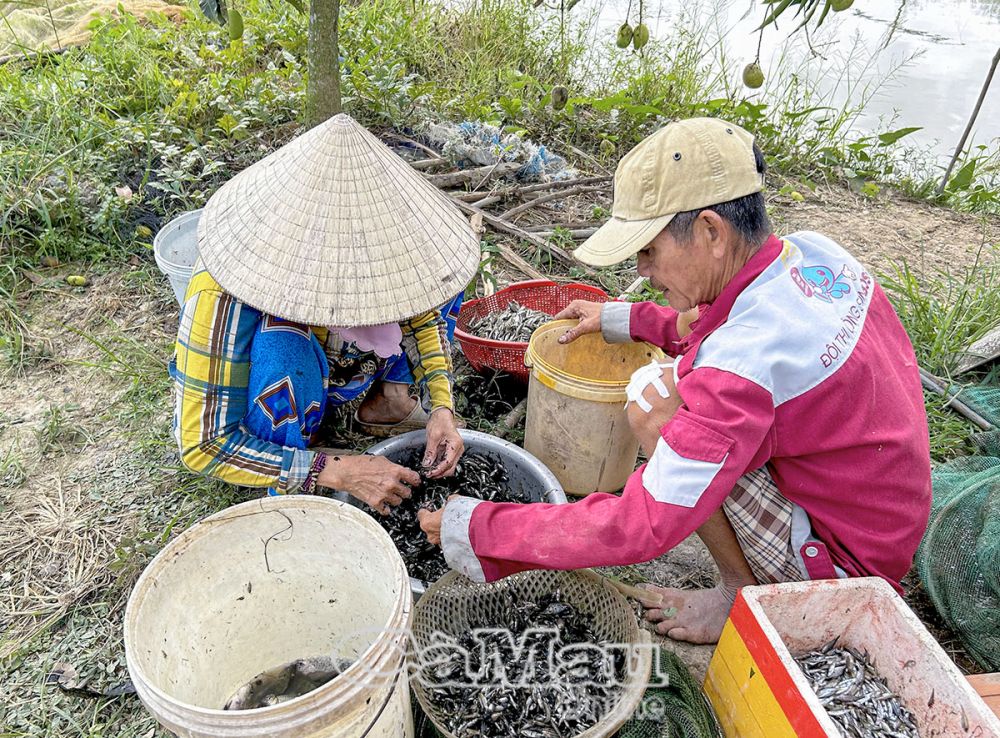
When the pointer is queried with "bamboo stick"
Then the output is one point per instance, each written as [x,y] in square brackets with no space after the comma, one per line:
[476,174]
[507,227]
[930,382]
[972,120]
[549,198]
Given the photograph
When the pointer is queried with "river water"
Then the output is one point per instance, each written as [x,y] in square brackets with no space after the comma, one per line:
[936,58]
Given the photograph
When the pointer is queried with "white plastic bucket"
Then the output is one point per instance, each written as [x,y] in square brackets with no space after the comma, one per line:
[175,249]
[259,585]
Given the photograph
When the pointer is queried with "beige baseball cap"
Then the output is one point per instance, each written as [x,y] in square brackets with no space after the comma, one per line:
[686,165]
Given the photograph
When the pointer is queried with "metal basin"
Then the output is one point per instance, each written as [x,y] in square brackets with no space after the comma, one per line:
[527,474]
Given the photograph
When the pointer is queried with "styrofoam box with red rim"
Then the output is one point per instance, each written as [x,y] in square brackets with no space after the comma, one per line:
[758,690]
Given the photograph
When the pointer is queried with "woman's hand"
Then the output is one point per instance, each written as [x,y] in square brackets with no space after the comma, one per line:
[444,444]
[374,480]
[589,315]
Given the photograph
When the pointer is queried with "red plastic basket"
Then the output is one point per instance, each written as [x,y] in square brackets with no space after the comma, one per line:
[538,294]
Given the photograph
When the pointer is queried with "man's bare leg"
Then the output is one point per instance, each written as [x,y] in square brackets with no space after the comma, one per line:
[697,616]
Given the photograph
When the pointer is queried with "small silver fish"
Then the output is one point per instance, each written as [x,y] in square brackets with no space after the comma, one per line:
[515,323]
[854,695]
[286,682]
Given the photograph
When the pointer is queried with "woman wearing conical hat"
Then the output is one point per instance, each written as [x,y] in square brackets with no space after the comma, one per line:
[327,271]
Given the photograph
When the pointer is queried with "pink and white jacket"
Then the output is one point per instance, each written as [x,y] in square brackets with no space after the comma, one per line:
[800,364]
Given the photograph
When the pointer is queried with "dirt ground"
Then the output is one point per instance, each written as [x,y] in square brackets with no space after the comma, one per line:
[890,228]
[91,487]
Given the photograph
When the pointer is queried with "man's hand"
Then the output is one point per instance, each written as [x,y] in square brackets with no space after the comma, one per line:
[374,480]
[589,315]
[430,521]
[430,524]
[444,444]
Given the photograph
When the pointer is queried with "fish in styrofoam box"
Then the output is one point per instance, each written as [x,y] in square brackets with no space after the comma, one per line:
[758,690]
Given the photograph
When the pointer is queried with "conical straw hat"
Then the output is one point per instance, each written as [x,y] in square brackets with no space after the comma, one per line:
[335,229]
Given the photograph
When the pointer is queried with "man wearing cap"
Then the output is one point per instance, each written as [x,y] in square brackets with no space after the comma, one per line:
[788,430]
[327,272]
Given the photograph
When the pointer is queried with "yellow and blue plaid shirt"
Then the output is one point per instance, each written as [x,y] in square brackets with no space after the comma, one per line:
[211,370]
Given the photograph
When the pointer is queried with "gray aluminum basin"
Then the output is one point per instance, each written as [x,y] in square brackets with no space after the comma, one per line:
[526,473]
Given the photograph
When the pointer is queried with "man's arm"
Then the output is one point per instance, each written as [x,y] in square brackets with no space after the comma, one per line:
[720,430]
[620,322]
[644,321]
[211,369]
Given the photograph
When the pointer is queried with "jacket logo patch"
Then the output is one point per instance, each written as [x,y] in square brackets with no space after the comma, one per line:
[819,281]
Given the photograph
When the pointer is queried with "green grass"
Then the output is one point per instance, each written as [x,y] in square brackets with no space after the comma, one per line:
[60,432]
[943,313]
[12,328]
[103,143]
[12,469]
[133,359]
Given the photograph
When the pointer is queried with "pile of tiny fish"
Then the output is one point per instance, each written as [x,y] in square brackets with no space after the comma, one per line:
[854,695]
[539,699]
[477,475]
[286,682]
[515,324]
[489,395]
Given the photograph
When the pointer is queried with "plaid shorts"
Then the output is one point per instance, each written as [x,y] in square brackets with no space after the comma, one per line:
[766,523]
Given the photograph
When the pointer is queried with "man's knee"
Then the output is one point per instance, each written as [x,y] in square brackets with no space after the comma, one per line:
[653,408]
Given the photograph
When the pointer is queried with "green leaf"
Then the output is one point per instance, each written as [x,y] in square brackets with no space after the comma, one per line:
[795,114]
[640,110]
[214,10]
[773,15]
[607,104]
[297,4]
[963,178]
[885,139]
[827,4]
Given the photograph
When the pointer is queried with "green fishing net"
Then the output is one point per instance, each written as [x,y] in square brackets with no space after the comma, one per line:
[959,557]
[678,709]
[47,25]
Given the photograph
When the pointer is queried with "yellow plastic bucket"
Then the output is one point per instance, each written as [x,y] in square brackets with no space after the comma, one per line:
[575,422]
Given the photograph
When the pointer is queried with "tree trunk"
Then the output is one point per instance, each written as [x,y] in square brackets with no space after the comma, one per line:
[323,90]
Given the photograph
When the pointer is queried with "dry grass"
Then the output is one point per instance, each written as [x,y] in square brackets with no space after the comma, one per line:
[90,491]
[61,556]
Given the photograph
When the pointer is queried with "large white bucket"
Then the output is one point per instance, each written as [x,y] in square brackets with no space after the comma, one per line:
[261,584]
[175,249]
